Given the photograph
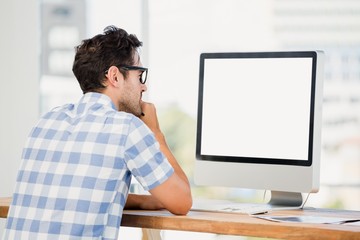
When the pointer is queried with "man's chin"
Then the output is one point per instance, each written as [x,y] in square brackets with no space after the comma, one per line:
[138,114]
[135,113]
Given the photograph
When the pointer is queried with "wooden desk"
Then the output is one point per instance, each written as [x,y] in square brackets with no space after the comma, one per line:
[236,224]
[4,206]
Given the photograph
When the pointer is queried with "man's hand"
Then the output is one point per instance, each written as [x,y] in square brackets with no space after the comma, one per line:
[149,117]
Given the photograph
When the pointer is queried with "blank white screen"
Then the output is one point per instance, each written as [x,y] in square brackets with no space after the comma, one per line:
[257,107]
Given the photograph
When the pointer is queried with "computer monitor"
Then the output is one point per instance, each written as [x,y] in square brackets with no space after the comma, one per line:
[259,122]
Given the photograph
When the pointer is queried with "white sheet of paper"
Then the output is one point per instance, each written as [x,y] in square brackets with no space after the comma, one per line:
[309,219]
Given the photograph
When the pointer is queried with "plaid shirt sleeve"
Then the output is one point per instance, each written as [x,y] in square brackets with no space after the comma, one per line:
[143,157]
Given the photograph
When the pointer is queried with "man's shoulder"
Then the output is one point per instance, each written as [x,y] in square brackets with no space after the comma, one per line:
[74,114]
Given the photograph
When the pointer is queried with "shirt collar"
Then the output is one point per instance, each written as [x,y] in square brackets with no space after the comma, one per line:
[95,97]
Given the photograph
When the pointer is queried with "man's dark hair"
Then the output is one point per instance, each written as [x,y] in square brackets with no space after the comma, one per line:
[115,47]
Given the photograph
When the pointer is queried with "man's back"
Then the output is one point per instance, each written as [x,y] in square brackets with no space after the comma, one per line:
[76,171]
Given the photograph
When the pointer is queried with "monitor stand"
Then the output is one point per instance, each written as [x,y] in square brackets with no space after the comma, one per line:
[285,199]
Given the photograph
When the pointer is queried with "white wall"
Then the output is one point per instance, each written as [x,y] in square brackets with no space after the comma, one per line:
[19,84]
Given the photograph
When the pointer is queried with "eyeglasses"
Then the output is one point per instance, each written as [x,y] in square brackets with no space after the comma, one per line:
[143,70]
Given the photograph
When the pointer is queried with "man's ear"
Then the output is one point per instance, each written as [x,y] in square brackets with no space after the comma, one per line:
[114,76]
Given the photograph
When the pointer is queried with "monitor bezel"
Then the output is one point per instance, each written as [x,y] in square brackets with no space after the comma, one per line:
[257,160]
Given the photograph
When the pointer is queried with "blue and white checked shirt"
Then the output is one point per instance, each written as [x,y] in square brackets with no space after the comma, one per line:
[76,170]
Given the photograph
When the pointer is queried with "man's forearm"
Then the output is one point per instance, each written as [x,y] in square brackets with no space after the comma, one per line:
[150,119]
[172,160]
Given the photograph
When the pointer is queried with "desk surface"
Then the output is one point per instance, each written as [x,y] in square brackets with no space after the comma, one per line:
[237,224]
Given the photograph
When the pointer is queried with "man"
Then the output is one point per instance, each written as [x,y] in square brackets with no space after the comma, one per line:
[78,161]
